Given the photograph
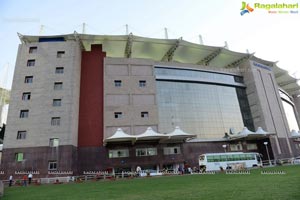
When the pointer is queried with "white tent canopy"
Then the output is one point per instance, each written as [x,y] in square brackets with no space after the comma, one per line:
[295,134]
[261,131]
[150,134]
[246,133]
[179,134]
[242,134]
[120,136]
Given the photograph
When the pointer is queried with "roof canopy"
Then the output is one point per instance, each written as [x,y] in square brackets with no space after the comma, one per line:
[295,134]
[247,134]
[172,50]
[178,134]
[150,134]
[120,136]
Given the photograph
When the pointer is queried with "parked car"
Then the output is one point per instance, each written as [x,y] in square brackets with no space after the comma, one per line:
[296,160]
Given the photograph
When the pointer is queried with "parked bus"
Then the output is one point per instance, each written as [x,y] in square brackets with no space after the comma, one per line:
[232,160]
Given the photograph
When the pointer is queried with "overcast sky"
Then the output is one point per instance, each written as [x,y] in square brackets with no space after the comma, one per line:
[273,37]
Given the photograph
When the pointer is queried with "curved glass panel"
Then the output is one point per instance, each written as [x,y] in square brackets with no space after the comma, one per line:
[290,115]
[206,110]
[196,74]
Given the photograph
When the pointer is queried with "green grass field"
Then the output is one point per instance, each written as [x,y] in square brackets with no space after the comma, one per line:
[218,186]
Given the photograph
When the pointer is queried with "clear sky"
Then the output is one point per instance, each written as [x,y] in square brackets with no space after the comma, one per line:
[273,37]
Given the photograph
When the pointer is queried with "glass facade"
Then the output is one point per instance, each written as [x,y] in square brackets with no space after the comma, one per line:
[290,115]
[289,111]
[206,110]
[195,74]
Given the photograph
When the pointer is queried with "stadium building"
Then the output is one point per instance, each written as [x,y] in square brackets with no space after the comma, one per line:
[96,102]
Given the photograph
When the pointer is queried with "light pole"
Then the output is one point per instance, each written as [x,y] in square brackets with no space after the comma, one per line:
[224,146]
[266,144]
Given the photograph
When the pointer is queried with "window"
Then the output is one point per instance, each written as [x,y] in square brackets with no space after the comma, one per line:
[216,158]
[223,158]
[52,165]
[210,159]
[54,142]
[118,153]
[144,114]
[252,146]
[21,135]
[236,157]
[24,113]
[55,121]
[26,96]
[250,157]
[28,79]
[118,115]
[58,85]
[230,158]
[56,102]
[236,147]
[171,150]
[141,152]
[238,79]
[142,83]
[146,152]
[59,70]
[19,157]
[32,49]
[118,83]
[30,63]
[60,54]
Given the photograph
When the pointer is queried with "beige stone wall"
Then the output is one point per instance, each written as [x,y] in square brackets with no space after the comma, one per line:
[38,124]
[130,99]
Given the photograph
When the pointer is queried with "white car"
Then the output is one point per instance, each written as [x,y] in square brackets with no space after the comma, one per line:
[296,160]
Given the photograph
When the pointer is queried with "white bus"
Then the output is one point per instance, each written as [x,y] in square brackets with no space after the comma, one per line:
[232,160]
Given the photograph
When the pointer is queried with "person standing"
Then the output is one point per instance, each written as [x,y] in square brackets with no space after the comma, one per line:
[138,170]
[25,180]
[10,180]
[29,178]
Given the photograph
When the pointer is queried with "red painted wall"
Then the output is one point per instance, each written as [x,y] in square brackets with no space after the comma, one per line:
[90,130]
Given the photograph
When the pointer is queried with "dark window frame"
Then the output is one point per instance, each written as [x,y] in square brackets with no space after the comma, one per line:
[26,96]
[118,115]
[28,79]
[21,135]
[24,113]
[33,50]
[60,54]
[31,63]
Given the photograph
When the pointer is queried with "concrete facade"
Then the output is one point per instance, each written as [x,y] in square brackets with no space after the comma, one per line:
[37,125]
[41,110]
[130,99]
[266,107]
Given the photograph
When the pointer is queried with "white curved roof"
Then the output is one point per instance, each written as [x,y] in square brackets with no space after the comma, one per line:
[295,134]
[150,134]
[179,134]
[175,50]
[246,133]
[261,131]
[120,136]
